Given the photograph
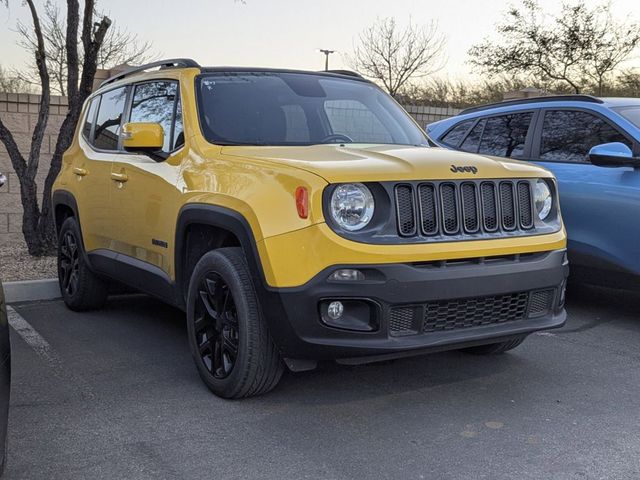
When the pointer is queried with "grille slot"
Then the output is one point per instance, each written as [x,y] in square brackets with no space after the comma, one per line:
[489,207]
[507,202]
[470,214]
[524,202]
[449,208]
[428,209]
[406,210]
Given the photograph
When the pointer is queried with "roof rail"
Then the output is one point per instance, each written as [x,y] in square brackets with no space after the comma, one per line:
[348,73]
[524,101]
[169,63]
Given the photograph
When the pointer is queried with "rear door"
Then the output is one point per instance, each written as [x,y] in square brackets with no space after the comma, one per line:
[506,135]
[99,143]
[600,206]
[144,198]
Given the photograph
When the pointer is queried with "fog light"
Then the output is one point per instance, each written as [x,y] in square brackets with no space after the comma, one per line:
[335,310]
[355,315]
[346,275]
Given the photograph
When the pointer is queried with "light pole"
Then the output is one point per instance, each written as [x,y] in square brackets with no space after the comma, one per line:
[326,57]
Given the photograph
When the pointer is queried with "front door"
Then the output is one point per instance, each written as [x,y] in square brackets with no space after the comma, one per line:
[144,198]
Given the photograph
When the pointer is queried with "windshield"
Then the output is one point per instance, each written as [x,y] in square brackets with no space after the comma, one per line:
[274,108]
[630,113]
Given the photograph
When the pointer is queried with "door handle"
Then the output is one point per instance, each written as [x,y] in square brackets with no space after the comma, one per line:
[81,172]
[119,177]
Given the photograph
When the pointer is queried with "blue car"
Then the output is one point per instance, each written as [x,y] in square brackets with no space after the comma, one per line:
[592,145]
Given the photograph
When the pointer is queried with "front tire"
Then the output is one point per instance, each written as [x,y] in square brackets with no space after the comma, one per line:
[229,340]
[81,288]
[495,348]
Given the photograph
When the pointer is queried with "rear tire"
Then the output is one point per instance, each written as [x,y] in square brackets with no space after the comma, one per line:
[229,340]
[495,348]
[81,288]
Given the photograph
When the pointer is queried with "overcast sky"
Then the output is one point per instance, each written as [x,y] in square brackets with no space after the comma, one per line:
[285,33]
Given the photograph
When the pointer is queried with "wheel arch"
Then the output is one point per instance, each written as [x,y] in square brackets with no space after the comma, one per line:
[231,228]
[64,205]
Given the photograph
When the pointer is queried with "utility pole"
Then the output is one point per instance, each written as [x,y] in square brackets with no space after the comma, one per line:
[326,57]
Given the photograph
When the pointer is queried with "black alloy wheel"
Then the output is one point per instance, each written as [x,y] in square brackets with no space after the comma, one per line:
[216,326]
[69,263]
[228,337]
[80,287]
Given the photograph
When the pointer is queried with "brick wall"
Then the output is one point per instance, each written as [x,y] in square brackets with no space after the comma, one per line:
[425,114]
[19,114]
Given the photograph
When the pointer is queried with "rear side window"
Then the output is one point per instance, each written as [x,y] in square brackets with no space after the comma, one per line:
[89,120]
[472,142]
[505,136]
[107,130]
[456,134]
[155,102]
[567,136]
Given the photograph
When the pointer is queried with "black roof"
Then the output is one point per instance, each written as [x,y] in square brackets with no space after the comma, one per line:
[189,63]
[524,101]
[328,73]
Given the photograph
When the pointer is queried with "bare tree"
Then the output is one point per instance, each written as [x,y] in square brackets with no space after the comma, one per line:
[119,47]
[578,46]
[11,83]
[81,27]
[612,42]
[393,56]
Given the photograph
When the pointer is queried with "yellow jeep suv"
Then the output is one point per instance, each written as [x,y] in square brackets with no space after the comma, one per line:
[300,216]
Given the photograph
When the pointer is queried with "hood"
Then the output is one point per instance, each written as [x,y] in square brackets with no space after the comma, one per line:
[363,163]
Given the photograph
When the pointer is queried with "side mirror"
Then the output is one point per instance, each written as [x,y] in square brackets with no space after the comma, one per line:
[142,136]
[613,154]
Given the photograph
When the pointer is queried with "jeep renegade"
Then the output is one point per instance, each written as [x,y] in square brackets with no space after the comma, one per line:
[300,216]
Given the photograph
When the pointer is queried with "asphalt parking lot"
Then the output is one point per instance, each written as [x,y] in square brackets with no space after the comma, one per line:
[115,395]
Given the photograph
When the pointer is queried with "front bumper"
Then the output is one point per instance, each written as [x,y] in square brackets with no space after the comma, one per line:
[422,307]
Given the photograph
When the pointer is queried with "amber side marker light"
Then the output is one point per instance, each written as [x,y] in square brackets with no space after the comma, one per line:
[302,202]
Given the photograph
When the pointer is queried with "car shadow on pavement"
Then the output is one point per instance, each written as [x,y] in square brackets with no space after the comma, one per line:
[145,325]
[589,307]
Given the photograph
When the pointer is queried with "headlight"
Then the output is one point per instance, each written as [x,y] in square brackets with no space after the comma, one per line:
[352,206]
[543,199]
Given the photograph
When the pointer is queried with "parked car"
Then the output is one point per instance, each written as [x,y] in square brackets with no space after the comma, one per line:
[592,145]
[5,379]
[298,216]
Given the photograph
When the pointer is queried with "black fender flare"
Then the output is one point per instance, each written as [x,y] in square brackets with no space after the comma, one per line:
[66,198]
[220,217]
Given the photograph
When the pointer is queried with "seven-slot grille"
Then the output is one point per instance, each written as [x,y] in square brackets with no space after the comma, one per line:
[463,207]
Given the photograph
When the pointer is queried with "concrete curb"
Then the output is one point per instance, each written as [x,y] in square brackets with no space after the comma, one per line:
[31,290]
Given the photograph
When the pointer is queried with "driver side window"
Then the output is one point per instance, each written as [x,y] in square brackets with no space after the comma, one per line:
[158,102]
[568,135]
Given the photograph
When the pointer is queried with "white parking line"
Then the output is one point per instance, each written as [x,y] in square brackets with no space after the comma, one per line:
[47,353]
[33,338]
